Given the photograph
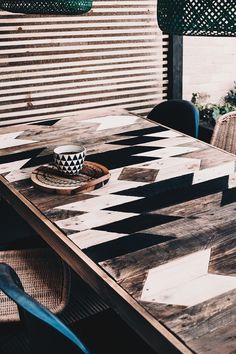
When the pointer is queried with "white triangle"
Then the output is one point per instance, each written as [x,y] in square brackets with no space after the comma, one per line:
[12,166]
[109,122]
[9,140]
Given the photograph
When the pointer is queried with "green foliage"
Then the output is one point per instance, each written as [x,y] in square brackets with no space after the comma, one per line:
[209,112]
[231,96]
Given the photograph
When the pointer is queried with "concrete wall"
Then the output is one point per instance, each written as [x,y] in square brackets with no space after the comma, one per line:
[209,66]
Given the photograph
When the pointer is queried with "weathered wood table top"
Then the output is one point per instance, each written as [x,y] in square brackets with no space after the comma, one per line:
[158,241]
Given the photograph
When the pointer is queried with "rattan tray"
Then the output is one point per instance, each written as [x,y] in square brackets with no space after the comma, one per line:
[49,179]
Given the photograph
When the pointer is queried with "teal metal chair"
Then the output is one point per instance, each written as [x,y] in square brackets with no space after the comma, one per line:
[47,333]
[180,115]
[103,333]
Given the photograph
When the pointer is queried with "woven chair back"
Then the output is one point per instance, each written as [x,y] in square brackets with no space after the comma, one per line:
[44,276]
[224,134]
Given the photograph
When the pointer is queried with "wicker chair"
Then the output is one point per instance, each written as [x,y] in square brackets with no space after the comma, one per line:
[224,134]
[43,274]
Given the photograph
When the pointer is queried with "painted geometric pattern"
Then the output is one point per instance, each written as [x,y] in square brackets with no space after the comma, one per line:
[163,226]
[70,163]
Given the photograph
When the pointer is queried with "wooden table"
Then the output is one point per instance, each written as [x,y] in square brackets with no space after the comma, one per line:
[158,241]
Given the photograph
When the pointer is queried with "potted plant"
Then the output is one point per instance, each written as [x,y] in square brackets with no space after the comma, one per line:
[210,112]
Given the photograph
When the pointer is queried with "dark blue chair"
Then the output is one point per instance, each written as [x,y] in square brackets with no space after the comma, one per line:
[103,333]
[180,115]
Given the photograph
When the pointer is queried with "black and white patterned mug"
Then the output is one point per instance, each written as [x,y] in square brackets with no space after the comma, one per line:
[69,159]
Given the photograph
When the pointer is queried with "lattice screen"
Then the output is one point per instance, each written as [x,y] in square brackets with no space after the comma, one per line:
[56,66]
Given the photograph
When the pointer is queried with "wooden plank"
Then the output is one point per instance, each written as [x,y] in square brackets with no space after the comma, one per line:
[74,25]
[222,339]
[162,230]
[72,99]
[118,32]
[122,52]
[98,279]
[88,18]
[132,106]
[65,71]
[78,106]
[65,85]
[46,58]
[204,231]
[80,63]
[110,86]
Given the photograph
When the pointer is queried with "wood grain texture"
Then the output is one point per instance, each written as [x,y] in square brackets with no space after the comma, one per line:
[55,66]
[158,240]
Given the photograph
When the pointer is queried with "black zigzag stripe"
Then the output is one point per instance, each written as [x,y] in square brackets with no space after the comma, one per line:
[167,193]
[140,132]
[156,188]
[122,157]
[124,245]
[178,186]
[46,122]
[137,223]
[135,141]
[228,197]
[38,160]
[20,155]
[165,198]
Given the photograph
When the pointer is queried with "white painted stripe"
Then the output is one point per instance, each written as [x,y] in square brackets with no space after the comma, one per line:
[170,151]
[169,142]
[91,238]
[166,134]
[214,172]
[88,221]
[9,140]
[101,202]
[12,166]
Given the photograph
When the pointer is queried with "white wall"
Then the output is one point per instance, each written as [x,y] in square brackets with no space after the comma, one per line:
[209,66]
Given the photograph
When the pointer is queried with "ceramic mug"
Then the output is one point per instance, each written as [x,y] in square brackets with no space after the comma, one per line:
[69,159]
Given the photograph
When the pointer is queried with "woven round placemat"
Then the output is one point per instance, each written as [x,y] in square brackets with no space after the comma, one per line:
[49,179]
[44,276]
[224,134]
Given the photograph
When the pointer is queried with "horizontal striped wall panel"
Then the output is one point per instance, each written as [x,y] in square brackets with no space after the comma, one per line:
[55,66]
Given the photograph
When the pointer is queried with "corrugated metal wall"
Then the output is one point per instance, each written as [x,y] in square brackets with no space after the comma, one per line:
[54,66]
